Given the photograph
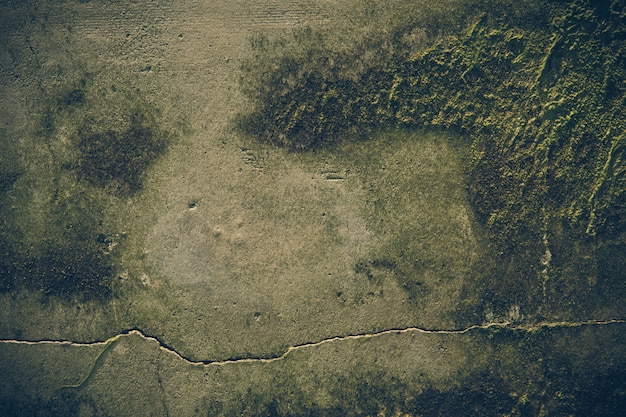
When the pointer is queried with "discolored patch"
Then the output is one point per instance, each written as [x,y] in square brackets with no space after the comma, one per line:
[116,160]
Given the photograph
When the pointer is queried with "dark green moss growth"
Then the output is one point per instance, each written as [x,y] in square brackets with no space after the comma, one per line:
[484,394]
[76,262]
[542,107]
[8,264]
[74,256]
[74,97]
[70,271]
[578,372]
[540,96]
[7,179]
[62,404]
[573,372]
[115,160]
[117,135]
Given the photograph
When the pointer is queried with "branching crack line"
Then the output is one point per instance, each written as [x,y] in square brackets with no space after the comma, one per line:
[508,325]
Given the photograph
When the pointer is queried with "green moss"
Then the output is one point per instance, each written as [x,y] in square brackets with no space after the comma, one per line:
[534,92]
[73,260]
[69,271]
[115,160]
[7,179]
[55,238]
[62,404]
[569,371]
[539,96]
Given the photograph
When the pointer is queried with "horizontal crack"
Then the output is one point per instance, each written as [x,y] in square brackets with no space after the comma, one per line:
[273,358]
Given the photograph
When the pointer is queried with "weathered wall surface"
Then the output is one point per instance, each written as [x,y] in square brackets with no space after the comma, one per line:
[158,260]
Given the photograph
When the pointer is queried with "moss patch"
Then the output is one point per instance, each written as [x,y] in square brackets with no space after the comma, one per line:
[540,97]
[90,149]
[115,160]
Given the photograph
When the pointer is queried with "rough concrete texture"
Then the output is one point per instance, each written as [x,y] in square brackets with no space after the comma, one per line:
[247,279]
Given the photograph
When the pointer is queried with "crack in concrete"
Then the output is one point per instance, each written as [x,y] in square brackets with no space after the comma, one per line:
[106,344]
[508,325]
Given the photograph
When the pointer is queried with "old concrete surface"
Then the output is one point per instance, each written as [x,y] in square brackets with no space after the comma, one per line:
[234,249]
[237,248]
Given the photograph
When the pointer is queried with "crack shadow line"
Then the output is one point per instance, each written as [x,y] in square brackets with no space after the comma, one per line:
[512,326]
